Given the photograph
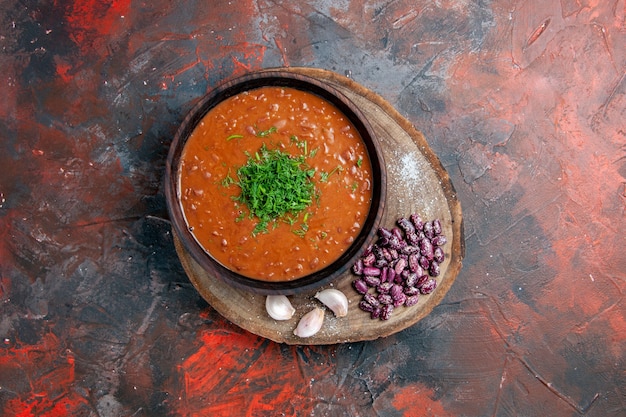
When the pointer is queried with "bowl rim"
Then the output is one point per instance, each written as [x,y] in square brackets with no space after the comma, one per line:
[251,81]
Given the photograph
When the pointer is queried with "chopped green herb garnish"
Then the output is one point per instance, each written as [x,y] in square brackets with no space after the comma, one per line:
[231,137]
[275,185]
[359,162]
[266,133]
[324,175]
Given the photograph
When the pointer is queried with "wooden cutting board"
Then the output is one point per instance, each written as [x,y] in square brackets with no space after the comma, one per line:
[417,183]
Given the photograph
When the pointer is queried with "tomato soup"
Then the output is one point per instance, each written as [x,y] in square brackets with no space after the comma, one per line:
[303,126]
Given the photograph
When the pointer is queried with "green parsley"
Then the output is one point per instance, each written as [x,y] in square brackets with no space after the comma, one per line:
[275,185]
[266,133]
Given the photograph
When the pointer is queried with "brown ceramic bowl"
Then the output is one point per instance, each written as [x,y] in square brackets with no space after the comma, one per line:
[252,81]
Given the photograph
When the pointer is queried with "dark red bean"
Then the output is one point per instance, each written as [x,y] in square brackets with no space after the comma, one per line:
[400,300]
[396,290]
[376,313]
[439,240]
[399,278]
[409,249]
[414,263]
[386,311]
[429,230]
[357,268]
[380,263]
[384,233]
[385,299]
[384,287]
[421,280]
[417,221]
[411,279]
[429,286]
[371,281]
[424,263]
[411,300]
[371,299]
[426,249]
[406,225]
[369,259]
[437,227]
[384,274]
[438,255]
[412,238]
[391,275]
[410,291]
[434,269]
[360,286]
[401,263]
[372,271]
[365,306]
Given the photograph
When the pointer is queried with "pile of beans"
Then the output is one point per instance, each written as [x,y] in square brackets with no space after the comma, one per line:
[399,266]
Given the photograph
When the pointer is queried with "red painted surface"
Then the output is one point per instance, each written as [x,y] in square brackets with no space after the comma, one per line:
[523,102]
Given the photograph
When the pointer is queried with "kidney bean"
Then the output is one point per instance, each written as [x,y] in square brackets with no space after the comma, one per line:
[357,268]
[386,311]
[434,269]
[421,280]
[391,275]
[409,249]
[384,287]
[381,263]
[416,219]
[369,259]
[429,230]
[399,279]
[399,300]
[406,225]
[385,299]
[438,255]
[424,263]
[371,271]
[429,286]
[394,253]
[360,286]
[397,233]
[414,263]
[411,300]
[376,313]
[371,299]
[401,263]
[383,273]
[437,227]
[411,291]
[371,281]
[426,249]
[365,306]
[412,238]
[439,240]
[387,255]
[396,290]
[411,279]
[384,233]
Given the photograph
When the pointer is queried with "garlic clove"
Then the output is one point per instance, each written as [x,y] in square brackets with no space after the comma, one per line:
[279,307]
[310,323]
[335,300]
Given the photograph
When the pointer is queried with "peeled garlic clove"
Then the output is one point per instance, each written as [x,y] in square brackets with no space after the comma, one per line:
[279,307]
[310,323]
[335,300]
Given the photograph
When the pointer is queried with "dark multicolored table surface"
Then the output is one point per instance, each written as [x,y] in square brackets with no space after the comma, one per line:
[524,102]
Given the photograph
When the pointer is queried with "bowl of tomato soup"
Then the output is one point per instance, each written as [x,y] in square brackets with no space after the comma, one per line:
[275,183]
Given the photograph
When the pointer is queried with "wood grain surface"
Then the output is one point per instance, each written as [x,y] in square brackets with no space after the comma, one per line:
[417,183]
